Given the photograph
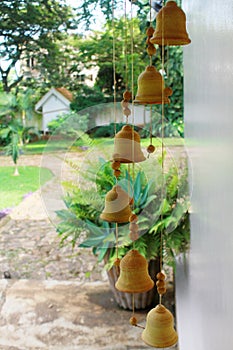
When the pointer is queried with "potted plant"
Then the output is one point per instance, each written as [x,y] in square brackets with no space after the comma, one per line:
[160,204]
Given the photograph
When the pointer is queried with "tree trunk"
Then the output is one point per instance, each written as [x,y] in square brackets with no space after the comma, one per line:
[141,300]
[16,172]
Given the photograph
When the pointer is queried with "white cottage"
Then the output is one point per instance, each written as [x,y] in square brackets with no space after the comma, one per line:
[54,103]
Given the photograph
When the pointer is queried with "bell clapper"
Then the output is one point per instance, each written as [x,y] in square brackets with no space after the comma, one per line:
[151,148]
[133,320]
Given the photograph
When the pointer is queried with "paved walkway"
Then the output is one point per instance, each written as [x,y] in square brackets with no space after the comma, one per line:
[29,242]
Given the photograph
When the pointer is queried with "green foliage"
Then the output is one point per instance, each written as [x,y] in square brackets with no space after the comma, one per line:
[86,96]
[70,124]
[106,130]
[162,207]
[14,135]
[100,53]
[25,35]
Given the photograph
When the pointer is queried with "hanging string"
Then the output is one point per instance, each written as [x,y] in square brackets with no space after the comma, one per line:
[116,168]
[117,238]
[132,88]
[126,44]
[133,320]
[151,50]
[162,155]
[114,62]
[132,49]
[168,62]
[150,26]
[151,124]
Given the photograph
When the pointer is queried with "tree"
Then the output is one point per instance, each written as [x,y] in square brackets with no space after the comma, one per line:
[13,131]
[29,30]
[97,50]
[15,134]
[100,51]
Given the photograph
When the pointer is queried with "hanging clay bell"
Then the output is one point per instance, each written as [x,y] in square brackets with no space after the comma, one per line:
[127,148]
[170,26]
[151,89]
[159,331]
[134,276]
[117,207]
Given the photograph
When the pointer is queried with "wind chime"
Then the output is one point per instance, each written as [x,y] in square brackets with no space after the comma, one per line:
[133,276]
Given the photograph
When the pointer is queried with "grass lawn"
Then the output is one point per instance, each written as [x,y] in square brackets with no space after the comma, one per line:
[14,188]
[39,146]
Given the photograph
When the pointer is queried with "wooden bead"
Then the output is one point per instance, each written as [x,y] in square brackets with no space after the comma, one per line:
[133,321]
[133,236]
[127,95]
[150,31]
[161,290]
[168,91]
[151,50]
[160,276]
[160,283]
[115,165]
[117,173]
[131,201]
[133,218]
[117,262]
[124,103]
[133,227]
[150,148]
[126,111]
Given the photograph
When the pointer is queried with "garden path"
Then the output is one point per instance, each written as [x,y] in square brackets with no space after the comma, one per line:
[29,243]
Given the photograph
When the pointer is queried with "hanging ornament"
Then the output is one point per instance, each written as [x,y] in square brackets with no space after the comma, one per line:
[116,167]
[133,227]
[127,147]
[151,50]
[117,207]
[159,331]
[134,276]
[151,88]
[150,149]
[125,104]
[170,26]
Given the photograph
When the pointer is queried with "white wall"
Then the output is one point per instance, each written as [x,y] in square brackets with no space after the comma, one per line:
[105,114]
[52,108]
[205,284]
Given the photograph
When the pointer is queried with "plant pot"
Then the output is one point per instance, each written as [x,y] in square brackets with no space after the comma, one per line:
[141,300]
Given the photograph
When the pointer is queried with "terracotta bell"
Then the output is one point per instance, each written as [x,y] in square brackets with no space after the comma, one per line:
[117,207]
[159,331]
[127,148]
[134,276]
[151,88]
[170,26]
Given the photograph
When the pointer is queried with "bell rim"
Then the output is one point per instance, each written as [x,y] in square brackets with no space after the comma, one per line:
[170,41]
[141,290]
[161,346]
[129,161]
[106,217]
[152,101]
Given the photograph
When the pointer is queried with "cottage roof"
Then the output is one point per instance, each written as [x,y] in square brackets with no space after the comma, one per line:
[66,93]
[62,93]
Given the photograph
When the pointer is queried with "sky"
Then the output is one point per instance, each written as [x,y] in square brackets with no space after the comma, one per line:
[99,22]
